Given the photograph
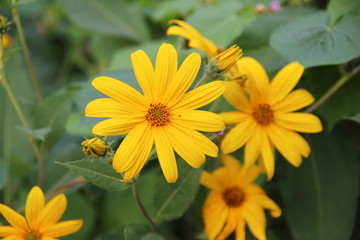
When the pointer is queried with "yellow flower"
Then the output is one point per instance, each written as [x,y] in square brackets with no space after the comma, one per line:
[40,221]
[235,201]
[95,147]
[196,40]
[6,41]
[266,119]
[163,115]
[226,59]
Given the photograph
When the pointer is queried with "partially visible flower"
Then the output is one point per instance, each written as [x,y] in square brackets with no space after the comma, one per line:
[260,8]
[6,41]
[275,6]
[266,119]
[95,147]
[40,221]
[164,115]
[234,201]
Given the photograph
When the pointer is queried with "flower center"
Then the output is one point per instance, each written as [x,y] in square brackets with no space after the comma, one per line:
[158,115]
[31,236]
[233,196]
[263,114]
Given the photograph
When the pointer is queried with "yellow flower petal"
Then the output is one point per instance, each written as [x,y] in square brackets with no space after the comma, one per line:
[284,81]
[166,155]
[258,79]
[300,122]
[236,96]
[233,117]
[240,230]
[52,212]
[116,126]
[280,138]
[15,238]
[209,181]
[14,218]
[132,146]
[185,147]
[200,96]
[230,225]
[296,100]
[215,213]
[34,204]
[121,92]
[198,120]
[63,228]
[255,218]
[144,72]
[248,176]
[165,69]
[6,231]
[267,155]
[253,146]
[196,40]
[109,108]
[183,79]
[237,136]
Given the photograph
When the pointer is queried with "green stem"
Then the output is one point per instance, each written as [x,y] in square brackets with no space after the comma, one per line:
[31,69]
[21,116]
[141,206]
[332,90]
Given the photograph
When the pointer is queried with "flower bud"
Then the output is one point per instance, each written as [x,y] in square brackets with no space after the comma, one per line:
[95,147]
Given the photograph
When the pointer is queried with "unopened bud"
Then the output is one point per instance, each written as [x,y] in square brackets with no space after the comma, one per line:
[95,147]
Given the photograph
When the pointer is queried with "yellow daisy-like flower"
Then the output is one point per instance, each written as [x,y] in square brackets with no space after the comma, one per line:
[163,115]
[40,221]
[235,201]
[266,117]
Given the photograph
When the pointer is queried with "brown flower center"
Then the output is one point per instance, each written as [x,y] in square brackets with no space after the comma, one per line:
[32,236]
[158,115]
[263,114]
[233,196]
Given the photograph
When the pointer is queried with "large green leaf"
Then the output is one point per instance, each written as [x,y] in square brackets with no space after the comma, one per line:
[98,172]
[117,18]
[172,200]
[314,41]
[337,8]
[321,196]
[140,232]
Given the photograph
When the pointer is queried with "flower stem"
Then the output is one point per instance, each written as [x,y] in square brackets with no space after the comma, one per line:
[31,69]
[141,206]
[332,90]
[21,116]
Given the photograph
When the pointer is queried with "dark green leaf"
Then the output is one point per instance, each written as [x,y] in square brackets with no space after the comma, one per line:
[171,200]
[109,17]
[140,232]
[313,41]
[3,174]
[117,234]
[321,196]
[99,173]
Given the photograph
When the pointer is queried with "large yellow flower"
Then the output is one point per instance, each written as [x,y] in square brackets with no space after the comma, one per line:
[235,201]
[40,221]
[164,114]
[266,119]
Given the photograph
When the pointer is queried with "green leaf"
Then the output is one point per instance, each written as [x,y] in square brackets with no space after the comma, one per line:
[117,18]
[313,41]
[171,200]
[140,232]
[98,172]
[321,196]
[117,233]
[167,10]
[39,133]
[344,103]
[337,8]
[3,174]
[215,26]
[356,118]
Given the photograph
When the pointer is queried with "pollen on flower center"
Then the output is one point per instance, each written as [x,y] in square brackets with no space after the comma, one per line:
[31,236]
[263,114]
[158,115]
[233,196]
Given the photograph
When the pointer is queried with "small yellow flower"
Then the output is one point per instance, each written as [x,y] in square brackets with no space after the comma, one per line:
[226,59]
[234,201]
[40,221]
[95,147]
[163,115]
[266,119]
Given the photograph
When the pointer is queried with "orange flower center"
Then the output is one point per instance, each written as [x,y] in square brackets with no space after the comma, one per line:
[233,196]
[263,114]
[32,236]
[158,115]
